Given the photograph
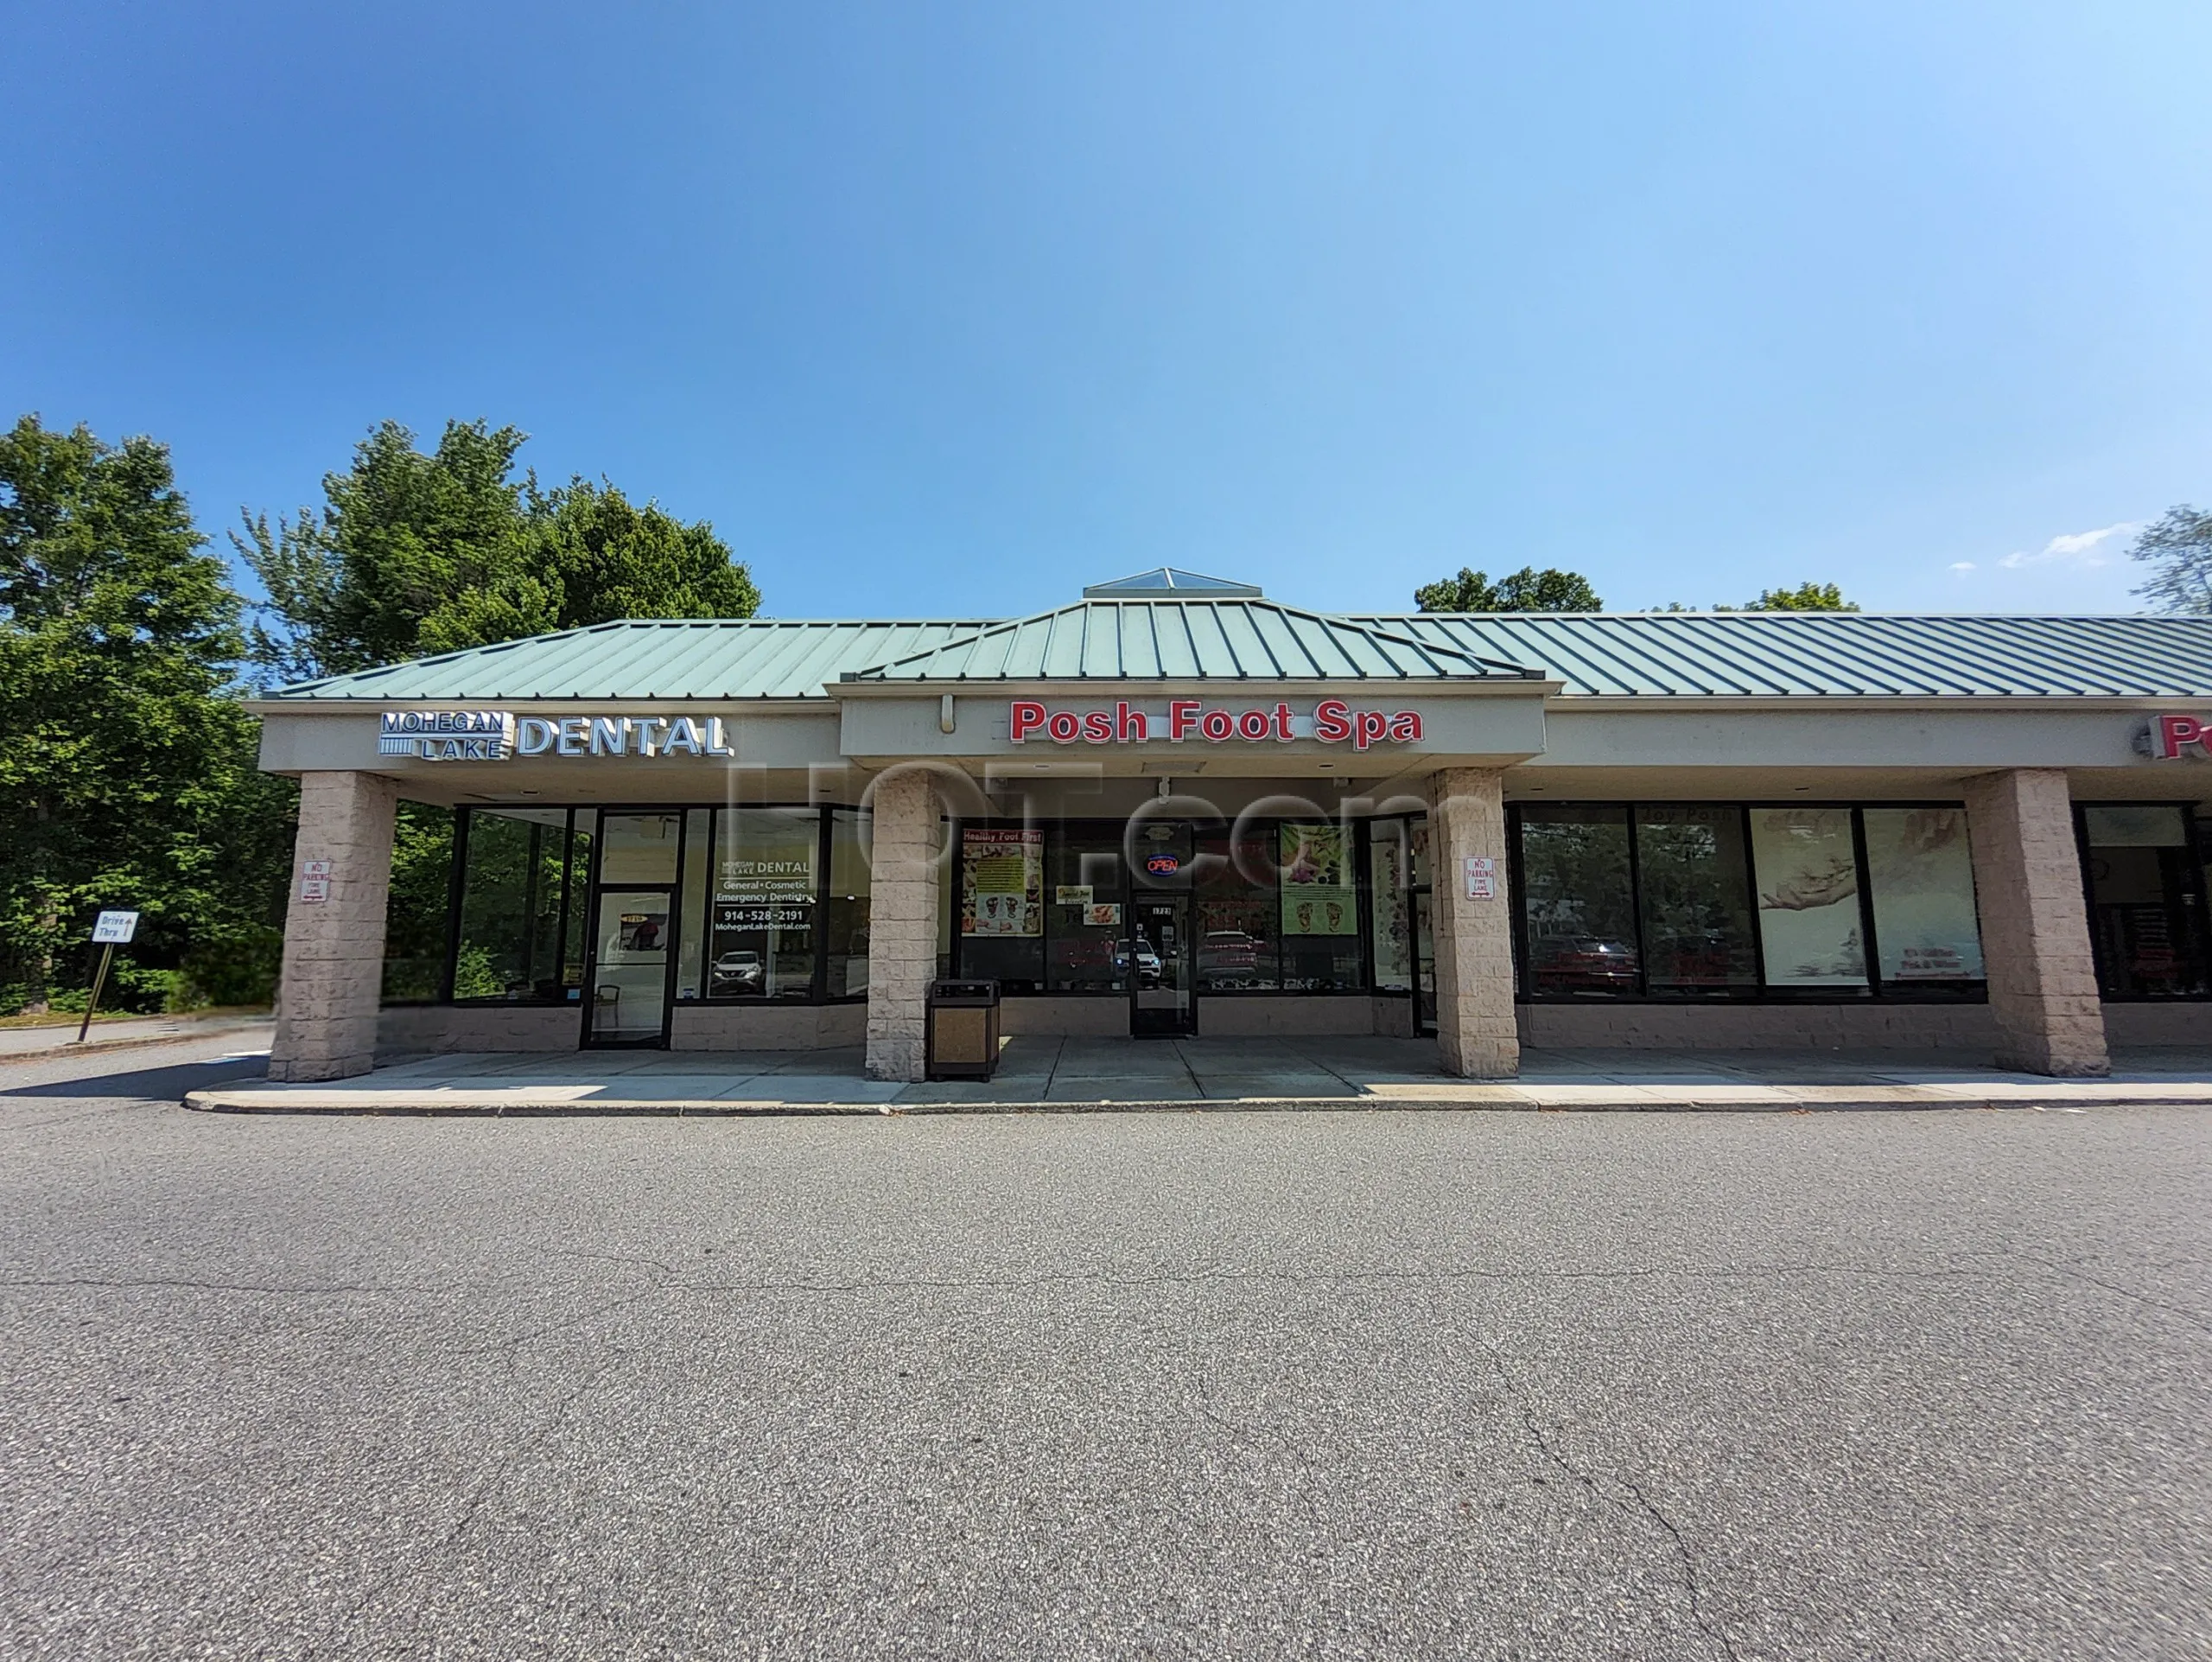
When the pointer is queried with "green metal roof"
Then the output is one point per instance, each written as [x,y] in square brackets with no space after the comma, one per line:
[1838,654]
[1660,654]
[1190,641]
[714,658]
[1171,582]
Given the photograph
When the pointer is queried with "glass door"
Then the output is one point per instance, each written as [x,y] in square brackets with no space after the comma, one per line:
[1163,984]
[627,980]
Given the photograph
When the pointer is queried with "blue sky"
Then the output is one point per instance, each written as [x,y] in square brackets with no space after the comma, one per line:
[941,308]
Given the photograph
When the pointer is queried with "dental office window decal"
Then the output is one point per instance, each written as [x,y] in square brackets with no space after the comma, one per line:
[500,736]
[765,887]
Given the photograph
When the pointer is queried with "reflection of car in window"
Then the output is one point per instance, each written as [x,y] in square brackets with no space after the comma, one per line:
[1587,963]
[1703,957]
[1227,957]
[1085,961]
[1147,962]
[735,975]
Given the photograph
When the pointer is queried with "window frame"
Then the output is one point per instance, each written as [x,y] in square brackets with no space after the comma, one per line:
[1056,829]
[572,917]
[817,983]
[457,895]
[1876,989]
[2197,831]
[1365,881]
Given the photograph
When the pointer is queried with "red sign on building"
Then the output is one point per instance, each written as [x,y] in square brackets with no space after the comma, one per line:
[2172,737]
[1333,722]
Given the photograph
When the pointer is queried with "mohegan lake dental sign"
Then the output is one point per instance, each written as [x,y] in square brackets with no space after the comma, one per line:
[498,735]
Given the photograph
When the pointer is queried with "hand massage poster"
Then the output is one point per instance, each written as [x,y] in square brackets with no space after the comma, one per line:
[1807,871]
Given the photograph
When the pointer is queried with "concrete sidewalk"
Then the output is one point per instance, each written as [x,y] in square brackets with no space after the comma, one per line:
[1039,1075]
[60,1038]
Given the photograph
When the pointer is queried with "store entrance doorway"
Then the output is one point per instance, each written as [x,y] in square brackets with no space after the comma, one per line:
[1163,978]
[633,959]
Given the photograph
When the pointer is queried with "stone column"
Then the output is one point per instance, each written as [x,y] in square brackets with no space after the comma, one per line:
[334,948]
[1475,1026]
[902,922]
[2035,925]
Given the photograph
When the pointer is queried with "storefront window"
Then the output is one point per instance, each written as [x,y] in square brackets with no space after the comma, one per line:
[760,940]
[2146,894]
[583,839]
[1390,894]
[1920,876]
[639,848]
[1424,958]
[1237,916]
[1319,907]
[509,944]
[1577,901]
[691,910]
[1808,874]
[1002,906]
[848,906]
[1696,902]
[1418,864]
[416,944]
[1086,902]
[949,831]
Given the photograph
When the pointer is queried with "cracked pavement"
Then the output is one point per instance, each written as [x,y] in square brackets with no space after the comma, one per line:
[1356,1385]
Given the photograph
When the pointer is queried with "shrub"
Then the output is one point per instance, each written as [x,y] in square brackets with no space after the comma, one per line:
[240,967]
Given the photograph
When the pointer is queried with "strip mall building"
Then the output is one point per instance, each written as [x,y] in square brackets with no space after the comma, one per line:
[1178,806]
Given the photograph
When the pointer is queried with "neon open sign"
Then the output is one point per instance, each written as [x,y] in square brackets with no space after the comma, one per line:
[1333,722]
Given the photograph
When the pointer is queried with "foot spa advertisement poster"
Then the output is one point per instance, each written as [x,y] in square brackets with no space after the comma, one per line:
[1001,882]
[1317,884]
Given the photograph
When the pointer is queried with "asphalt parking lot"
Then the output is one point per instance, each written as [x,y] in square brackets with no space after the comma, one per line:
[1342,1384]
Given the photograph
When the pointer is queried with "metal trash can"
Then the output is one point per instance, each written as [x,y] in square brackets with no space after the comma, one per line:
[963,1029]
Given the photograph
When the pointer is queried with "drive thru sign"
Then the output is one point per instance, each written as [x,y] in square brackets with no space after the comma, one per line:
[110,931]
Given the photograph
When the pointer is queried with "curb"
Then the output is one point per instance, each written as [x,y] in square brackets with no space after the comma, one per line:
[350,1103]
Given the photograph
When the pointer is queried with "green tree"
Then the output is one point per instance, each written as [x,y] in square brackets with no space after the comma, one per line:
[1525,591]
[2177,547]
[414,907]
[414,554]
[1805,597]
[129,778]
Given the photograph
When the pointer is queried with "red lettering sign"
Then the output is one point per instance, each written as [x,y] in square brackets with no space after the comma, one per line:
[1334,722]
[2171,735]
